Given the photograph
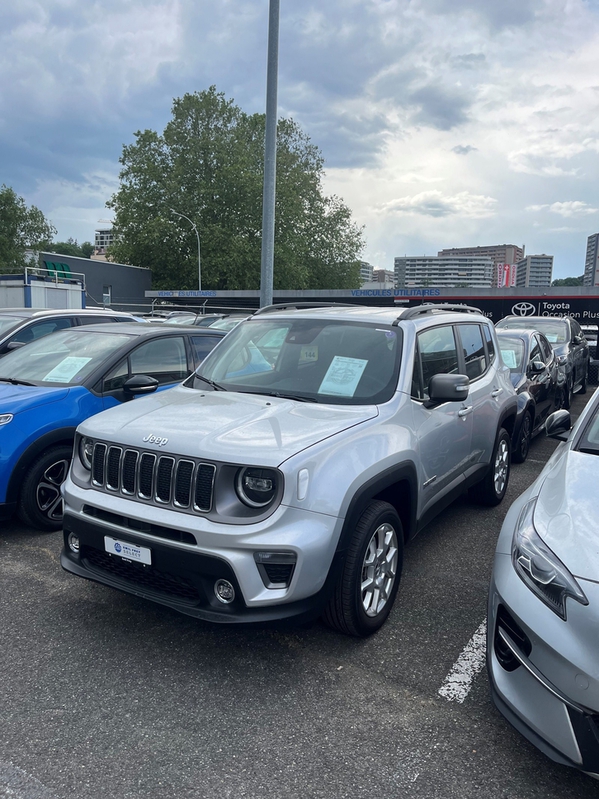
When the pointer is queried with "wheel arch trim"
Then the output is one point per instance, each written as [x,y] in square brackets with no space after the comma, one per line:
[64,435]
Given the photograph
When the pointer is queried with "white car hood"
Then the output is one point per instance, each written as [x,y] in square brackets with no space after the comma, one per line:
[566,513]
[224,426]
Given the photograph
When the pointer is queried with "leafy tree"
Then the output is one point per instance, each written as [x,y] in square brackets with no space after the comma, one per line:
[569,281]
[208,164]
[71,247]
[21,228]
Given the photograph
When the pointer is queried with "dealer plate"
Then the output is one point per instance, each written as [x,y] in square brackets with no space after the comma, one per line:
[128,551]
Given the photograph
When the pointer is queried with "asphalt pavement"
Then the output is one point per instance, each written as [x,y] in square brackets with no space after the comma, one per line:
[104,695]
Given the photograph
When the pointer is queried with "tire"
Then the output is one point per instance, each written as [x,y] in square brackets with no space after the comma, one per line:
[568,390]
[522,446]
[491,489]
[40,502]
[373,562]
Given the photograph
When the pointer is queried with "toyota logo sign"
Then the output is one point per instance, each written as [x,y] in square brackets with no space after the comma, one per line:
[523,309]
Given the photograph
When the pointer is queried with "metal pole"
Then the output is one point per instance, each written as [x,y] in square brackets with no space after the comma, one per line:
[270,158]
[199,252]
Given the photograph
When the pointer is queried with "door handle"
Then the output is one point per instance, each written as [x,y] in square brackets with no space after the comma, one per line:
[497,392]
[465,411]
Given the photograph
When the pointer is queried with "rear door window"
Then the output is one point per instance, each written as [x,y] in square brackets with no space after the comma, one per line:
[473,349]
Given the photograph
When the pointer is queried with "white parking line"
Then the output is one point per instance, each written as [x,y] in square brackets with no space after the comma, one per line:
[459,681]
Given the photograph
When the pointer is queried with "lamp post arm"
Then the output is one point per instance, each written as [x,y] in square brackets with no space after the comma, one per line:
[199,248]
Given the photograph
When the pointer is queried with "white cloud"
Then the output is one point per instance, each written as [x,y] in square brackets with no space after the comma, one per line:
[435,203]
[570,208]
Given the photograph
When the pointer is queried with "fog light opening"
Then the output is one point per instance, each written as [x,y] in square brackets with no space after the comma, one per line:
[73,542]
[225,592]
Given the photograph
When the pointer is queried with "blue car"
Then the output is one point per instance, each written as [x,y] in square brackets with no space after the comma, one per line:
[51,385]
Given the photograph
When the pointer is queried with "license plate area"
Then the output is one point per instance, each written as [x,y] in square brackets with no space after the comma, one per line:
[127,551]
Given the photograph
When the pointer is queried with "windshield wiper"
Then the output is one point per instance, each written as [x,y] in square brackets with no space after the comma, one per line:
[215,386]
[282,395]
[15,381]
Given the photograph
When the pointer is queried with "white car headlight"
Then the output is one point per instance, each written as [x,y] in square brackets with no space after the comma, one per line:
[86,450]
[540,568]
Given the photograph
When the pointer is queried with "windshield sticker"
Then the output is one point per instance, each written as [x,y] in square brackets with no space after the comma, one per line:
[509,358]
[343,376]
[66,370]
[308,354]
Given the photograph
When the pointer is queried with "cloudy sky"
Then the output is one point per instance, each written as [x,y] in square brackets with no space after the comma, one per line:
[442,122]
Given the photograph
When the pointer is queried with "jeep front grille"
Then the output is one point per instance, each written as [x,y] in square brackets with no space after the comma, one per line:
[164,479]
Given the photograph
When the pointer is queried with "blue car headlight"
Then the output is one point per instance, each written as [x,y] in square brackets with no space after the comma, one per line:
[539,567]
[5,418]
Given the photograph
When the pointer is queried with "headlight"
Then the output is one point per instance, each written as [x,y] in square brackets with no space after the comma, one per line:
[5,418]
[256,487]
[86,450]
[540,568]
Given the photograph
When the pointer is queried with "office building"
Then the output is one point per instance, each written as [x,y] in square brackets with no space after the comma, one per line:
[103,238]
[366,271]
[591,264]
[500,254]
[449,271]
[535,270]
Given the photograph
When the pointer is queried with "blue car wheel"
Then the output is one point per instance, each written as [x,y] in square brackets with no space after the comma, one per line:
[40,501]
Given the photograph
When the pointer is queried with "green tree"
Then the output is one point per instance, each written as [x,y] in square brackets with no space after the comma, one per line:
[208,164]
[569,281]
[71,247]
[21,228]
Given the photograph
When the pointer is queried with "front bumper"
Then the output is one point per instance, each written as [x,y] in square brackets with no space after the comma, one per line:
[543,671]
[190,554]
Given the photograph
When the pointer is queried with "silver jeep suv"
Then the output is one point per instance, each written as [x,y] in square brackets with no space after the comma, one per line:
[283,478]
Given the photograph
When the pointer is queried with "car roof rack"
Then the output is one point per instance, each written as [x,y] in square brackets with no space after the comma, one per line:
[421,310]
[284,306]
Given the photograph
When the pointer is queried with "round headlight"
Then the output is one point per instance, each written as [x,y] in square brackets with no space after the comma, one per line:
[86,450]
[256,487]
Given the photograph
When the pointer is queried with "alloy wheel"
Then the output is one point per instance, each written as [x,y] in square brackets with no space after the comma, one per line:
[379,569]
[47,495]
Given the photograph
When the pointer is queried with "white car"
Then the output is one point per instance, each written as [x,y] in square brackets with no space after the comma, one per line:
[282,479]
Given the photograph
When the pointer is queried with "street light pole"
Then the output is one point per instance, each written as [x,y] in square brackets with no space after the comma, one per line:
[199,251]
[270,159]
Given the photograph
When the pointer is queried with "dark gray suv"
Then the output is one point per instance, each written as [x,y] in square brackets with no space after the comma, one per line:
[569,344]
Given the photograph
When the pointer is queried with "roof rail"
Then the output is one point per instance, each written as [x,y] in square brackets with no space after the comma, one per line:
[283,306]
[421,310]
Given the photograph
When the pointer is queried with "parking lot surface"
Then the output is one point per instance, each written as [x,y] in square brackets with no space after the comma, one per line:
[105,695]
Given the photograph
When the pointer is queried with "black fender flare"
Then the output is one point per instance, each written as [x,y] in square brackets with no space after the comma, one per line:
[404,472]
[64,435]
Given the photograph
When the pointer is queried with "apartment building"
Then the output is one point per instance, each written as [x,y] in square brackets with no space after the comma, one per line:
[535,270]
[591,264]
[449,271]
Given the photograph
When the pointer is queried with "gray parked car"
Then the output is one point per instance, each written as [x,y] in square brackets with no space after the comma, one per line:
[19,326]
[542,647]
[569,344]
[281,480]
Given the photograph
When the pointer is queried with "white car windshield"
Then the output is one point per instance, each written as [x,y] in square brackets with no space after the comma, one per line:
[306,359]
[65,358]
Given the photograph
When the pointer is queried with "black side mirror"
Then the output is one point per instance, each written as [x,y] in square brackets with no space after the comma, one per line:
[558,425]
[536,367]
[140,384]
[448,388]
[577,340]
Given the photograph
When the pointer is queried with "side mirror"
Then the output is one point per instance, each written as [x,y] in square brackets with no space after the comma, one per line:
[558,425]
[577,339]
[140,384]
[448,388]
[536,367]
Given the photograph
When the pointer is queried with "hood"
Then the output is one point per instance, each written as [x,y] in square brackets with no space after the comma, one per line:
[566,513]
[14,399]
[224,426]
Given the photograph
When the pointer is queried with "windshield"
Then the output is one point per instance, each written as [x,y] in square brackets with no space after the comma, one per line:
[187,319]
[590,438]
[8,322]
[555,331]
[228,323]
[306,359]
[64,358]
[512,352]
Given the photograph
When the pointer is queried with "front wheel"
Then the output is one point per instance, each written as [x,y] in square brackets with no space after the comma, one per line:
[523,444]
[568,392]
[583,385]
[368,583]
[491,489]
[40,501]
